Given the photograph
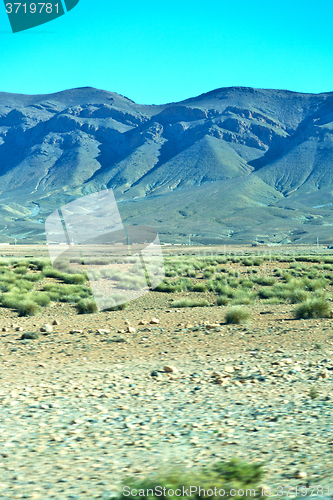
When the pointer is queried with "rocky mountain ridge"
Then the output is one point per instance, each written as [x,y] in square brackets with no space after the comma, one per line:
[226,166]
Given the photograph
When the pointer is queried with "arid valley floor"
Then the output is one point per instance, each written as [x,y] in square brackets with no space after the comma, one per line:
[102,397]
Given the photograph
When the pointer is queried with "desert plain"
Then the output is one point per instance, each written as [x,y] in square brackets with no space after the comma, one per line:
[94,399]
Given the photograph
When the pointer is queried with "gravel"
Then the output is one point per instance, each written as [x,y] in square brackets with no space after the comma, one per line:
[79,430]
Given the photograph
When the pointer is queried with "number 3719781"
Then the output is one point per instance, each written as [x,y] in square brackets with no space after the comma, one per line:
[32,8]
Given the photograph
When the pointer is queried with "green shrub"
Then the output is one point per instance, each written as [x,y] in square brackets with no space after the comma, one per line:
[191,273]
[9,277]
[62,289]
[282,291]
[274,300]
[174,287]
[54,295]
[50,272]
[211,285]
[313,393]
[298,295]
[70,298]
[73,279]
[10,300]
[245,283]
[237,315]
[233,282]
[20,263]
[170,274]
[242,297]
[207,274]
[266,293]
[94,275]
[28,308]
[313,308]
[222,301]
[224,290]
[20,270]
[41,263]
[315,284]
[200,287]
[287,276]
[239,472]
[42,299]
[189,303]
[86,306]
[24,285]
[34,277]
[234,474]
[132,283]
[265,280]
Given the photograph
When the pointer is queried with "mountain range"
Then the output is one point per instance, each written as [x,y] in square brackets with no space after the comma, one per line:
[234,165]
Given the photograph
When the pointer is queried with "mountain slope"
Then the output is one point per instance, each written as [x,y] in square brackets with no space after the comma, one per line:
[226,165]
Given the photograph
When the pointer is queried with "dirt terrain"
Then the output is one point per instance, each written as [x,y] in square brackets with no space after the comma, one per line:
[91,402]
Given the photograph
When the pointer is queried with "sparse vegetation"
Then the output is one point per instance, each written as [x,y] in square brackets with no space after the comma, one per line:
[237,315]
[234,474]
[313,308]
[222,301]
[313,393]
[86,306]
[303,280]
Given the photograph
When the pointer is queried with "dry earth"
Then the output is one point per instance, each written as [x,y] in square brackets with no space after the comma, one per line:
[81,411]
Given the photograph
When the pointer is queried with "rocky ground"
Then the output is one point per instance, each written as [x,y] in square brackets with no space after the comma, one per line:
[90,403]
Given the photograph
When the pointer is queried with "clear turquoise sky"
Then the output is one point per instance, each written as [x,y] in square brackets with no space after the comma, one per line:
[162,51]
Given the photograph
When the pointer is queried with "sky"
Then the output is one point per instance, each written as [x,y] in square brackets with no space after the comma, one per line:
[155,52]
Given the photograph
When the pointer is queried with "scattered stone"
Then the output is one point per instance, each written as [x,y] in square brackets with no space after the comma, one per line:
[210,326]
[127,322]
[30,335]
[300,475]
[229,369]
[154,321]
[76,331]
[103,331]
[130,329]
[19,329]
[4,329]
[55,322]
[143,322]
[170,369]
[219,378]
[46,328]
